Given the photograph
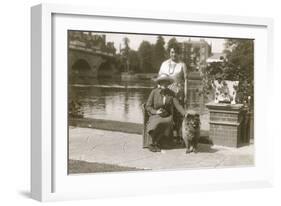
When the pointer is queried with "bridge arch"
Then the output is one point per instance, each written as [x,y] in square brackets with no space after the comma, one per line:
[84,65]
[106,70]
[80,67]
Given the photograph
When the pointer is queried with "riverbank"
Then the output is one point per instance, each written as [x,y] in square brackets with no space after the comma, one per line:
[125,76]
[109,125]
[78,166]
[123,150]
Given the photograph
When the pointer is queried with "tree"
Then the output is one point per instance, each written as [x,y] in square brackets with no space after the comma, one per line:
[145,55]
[126,49]
[134,61]
[110,48]
[125,53]
[173,43]
[238,66]
[159,53]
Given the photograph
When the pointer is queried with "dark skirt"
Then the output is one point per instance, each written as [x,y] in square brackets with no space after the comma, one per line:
[162,126]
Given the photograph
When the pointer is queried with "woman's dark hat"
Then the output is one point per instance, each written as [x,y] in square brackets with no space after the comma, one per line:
[163,78]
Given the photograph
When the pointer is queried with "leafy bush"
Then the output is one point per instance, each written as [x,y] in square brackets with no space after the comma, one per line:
[237,66]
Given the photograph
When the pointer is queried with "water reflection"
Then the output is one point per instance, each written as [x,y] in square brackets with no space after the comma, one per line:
[112,100]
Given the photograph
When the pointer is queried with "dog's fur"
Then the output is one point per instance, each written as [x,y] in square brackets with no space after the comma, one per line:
[191,131]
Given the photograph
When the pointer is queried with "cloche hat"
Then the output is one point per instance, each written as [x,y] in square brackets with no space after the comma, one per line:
[163,77]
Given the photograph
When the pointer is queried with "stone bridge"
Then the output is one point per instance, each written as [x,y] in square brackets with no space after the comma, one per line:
[86,63]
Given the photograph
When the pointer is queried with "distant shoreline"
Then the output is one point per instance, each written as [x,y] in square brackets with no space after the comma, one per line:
[113,86]
[125,76]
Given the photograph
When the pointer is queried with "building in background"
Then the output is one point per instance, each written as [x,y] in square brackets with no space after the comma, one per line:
[195,53]
[216,57]
[91,40]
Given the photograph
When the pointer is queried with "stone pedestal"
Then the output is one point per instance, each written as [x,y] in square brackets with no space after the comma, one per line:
[226,124]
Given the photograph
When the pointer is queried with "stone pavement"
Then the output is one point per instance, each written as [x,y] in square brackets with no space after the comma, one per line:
[125,149]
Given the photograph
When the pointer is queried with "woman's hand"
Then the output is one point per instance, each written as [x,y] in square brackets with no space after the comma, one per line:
[159,111]
[185,115]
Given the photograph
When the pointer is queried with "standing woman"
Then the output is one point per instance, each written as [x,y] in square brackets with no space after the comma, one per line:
[176,70]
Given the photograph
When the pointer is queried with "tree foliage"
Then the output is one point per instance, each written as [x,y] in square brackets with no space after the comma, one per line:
[145,56]
[240,66]
[125,55]
[126,50]
[237,66]
[159,53]
[134,61]
[173,43]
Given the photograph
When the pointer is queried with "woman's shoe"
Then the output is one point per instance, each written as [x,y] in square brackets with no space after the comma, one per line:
[195,150]
[152,148]
[157,148]
[188,151]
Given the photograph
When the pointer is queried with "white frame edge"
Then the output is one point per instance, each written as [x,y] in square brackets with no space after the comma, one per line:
[41,77]
[36,56]
[41,93]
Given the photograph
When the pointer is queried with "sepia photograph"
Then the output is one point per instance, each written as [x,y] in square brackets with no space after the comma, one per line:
[150,102]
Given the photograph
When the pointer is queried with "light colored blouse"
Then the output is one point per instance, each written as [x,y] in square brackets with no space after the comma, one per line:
[176,70]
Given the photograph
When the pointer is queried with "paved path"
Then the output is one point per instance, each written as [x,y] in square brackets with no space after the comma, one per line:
[124,149]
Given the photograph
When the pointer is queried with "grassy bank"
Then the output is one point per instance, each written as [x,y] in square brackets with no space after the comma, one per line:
[127,127]
[78,166]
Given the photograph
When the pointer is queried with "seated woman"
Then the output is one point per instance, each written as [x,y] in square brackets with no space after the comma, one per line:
[160,108]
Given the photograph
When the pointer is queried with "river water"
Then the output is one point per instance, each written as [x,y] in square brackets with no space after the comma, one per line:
[113,99]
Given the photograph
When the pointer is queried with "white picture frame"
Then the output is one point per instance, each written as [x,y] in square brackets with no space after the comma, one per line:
[49,179]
